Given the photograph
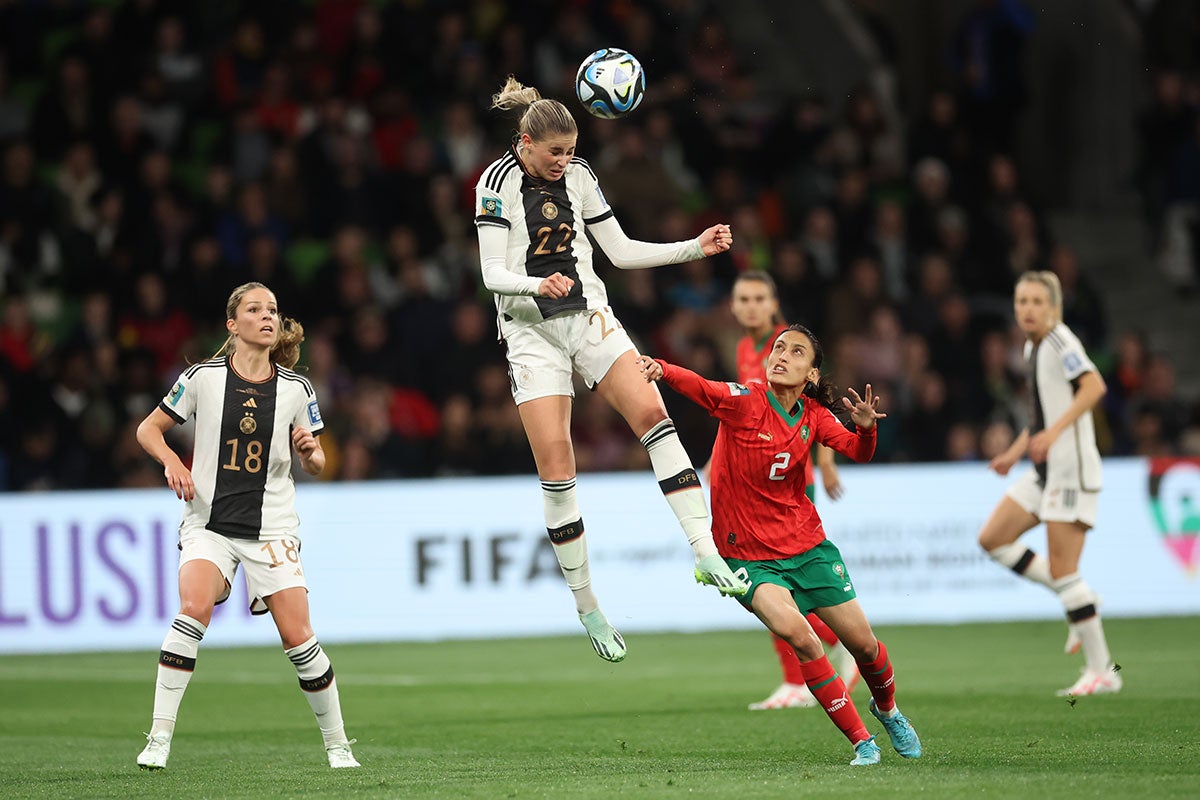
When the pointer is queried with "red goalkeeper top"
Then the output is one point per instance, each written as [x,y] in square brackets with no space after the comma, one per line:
[760,511]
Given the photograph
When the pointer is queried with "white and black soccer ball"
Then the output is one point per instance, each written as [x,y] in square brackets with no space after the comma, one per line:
[610,83]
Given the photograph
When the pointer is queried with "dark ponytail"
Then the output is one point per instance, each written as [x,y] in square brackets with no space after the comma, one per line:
[823,391]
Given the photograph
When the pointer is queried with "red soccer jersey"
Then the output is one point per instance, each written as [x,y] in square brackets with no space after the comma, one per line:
[759,507]
[752,368]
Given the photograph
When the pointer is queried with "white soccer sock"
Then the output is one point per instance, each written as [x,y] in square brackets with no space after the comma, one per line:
[1023,561]
[564,526]
[1080,603]
[320,689]
[176,662]
[680,485]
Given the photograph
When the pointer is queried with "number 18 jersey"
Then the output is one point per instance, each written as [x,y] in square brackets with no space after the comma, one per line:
[242,463]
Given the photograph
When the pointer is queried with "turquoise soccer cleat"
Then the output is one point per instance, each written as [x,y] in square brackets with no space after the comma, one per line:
[866,753]
[900,731]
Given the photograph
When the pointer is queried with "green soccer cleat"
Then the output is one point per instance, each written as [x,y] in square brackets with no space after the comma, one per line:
[605,639]
[713,571]
[899,730]
[866,753]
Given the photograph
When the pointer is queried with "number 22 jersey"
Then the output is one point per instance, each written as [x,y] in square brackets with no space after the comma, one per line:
[242,463]
[760,511]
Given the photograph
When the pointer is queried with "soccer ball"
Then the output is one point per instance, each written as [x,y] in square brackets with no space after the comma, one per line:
[610,83]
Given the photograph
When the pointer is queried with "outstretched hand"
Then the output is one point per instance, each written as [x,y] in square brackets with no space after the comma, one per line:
[716,239]
[651,369]
[864,410]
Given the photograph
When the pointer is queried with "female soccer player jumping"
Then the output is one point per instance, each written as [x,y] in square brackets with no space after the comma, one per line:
[769,533]
[533,205]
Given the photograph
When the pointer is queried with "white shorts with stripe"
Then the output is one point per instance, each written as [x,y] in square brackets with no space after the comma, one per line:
[542,357]
[1056,502]
[271,565]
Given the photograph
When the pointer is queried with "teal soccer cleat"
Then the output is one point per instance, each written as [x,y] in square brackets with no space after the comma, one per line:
[900,731]
[866,753]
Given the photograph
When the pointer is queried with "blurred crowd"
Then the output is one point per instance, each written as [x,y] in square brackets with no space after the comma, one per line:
[157,154]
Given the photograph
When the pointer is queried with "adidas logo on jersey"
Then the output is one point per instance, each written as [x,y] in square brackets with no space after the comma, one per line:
[250,403]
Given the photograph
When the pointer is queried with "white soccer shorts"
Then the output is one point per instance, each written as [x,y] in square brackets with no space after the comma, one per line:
[271,566]
[1057,502]
[542,357]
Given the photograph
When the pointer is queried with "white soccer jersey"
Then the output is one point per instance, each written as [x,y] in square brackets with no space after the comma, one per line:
[242,463]
[1056,364]
[548,220]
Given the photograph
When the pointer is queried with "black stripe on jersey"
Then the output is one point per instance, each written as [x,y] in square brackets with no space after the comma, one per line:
[212,362]
[170,412]
[585,165]
[600,218]
[288,375]
[244,449]
[494,176]
[550,221]
[499,222]
[1039,419]
[1057,340]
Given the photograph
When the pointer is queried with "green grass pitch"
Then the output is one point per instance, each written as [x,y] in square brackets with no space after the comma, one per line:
[545,718]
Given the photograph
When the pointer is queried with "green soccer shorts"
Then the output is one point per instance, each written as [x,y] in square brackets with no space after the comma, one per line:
[816,579]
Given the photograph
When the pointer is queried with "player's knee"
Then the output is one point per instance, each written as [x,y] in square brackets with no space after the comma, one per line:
[294,637]
[199,610]
[806,643]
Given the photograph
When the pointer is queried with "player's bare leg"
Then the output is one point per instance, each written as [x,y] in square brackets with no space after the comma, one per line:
[289,608]
[999,539]
[1099,675]
[775,607]
[639,402]
[850,624]
[547,422]
[200,586]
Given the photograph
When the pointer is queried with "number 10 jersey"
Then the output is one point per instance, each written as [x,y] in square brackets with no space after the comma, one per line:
[242,460]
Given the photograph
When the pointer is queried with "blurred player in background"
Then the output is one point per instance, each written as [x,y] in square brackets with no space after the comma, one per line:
[532,206]
[251,411]
[755,305]
[1063,487]
[769,530]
